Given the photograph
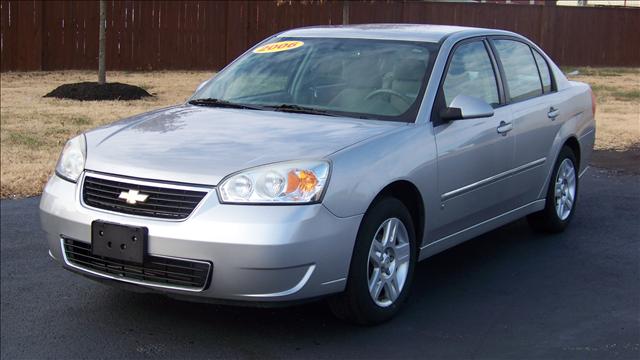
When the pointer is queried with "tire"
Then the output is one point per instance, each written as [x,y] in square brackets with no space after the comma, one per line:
[552,218]
[392,262]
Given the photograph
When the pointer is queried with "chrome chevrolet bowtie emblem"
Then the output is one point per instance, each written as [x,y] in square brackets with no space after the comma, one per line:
[133,196]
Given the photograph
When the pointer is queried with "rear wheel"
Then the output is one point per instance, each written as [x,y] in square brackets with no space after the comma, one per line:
[382,265]
[561,195]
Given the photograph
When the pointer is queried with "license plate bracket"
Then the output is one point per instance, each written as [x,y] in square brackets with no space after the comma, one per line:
[120,242]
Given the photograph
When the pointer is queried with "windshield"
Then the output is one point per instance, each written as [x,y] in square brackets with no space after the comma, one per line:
[364,78]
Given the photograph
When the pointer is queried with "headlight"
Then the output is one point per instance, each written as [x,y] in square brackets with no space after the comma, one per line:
[296,182]
[71,162]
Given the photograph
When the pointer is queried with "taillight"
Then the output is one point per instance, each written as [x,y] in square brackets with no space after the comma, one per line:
[593,102]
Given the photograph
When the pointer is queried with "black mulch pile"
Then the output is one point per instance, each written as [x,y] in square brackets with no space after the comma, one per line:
[94,91]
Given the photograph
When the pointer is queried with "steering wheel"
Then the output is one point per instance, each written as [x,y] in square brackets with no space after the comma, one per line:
[400,96]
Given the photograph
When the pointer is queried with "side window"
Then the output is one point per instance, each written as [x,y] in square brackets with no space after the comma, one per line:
[545,74]
[470,73]
[520,69]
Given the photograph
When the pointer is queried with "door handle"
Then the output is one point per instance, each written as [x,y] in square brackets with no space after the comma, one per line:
[553,113]
[504,128]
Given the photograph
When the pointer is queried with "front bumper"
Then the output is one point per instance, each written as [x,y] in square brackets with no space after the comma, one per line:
[259,253]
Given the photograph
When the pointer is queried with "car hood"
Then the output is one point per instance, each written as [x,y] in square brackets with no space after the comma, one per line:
[202,145]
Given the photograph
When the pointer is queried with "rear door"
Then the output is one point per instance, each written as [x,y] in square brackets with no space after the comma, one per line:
[472,154]
[530,94]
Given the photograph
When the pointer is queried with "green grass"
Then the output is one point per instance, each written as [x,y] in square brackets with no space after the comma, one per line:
[80,120]
[630,95]
[604,71]
[618,94]
[57,133]
[30,141]
[600,89]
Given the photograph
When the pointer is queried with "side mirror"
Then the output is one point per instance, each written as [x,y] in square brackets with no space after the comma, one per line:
[466,107]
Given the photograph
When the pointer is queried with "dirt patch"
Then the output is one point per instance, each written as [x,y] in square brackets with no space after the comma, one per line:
[627,162]
[88,91]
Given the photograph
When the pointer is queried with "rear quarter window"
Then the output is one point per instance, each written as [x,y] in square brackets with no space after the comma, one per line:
[545,74]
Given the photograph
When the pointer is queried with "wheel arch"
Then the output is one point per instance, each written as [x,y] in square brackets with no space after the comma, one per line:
[410,196]
[573,143]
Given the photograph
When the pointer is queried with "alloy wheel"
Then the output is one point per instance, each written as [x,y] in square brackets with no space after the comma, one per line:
[565,189]
[388,264]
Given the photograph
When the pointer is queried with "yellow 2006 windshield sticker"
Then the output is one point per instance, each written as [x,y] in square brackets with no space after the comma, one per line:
[278,46]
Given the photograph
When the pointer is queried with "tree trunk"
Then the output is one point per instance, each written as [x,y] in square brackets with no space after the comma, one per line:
[102,75]
[345,12]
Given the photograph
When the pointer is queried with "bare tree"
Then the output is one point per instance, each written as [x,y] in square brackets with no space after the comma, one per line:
[102,75]
[345,12]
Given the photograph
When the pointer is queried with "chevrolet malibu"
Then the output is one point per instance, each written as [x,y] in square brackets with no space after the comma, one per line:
[325,161]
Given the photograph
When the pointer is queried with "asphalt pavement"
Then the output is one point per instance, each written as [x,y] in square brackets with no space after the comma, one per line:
[508,294]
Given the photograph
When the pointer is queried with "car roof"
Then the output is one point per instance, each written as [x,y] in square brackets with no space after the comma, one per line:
[407,32]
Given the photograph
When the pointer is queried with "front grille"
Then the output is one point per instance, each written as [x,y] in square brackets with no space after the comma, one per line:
[154,271]
[162,202]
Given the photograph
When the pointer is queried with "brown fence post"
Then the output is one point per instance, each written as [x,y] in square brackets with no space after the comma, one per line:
[546,27]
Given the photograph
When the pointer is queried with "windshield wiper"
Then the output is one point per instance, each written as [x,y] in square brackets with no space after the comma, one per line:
[222,103]
[300,109]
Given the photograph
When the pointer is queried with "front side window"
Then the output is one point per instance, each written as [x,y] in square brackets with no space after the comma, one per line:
[364,78]
[470,73]
[520,69]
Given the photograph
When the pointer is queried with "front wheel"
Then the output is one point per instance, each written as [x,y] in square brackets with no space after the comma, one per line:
[561,195]
[382,265]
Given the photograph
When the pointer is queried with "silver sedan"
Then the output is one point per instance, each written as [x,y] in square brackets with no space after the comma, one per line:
[325,161]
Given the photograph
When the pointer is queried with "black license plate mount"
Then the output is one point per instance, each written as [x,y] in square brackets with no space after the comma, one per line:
[120,242]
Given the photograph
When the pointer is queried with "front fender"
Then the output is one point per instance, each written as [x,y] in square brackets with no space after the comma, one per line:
[362,171]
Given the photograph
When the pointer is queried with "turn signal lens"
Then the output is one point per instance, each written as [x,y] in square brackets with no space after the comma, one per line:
[307,181]
[593,102]
[291,182]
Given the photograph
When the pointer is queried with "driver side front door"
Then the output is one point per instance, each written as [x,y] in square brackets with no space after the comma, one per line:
[473,154]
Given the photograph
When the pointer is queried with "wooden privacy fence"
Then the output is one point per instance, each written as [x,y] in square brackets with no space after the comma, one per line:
[151,35]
